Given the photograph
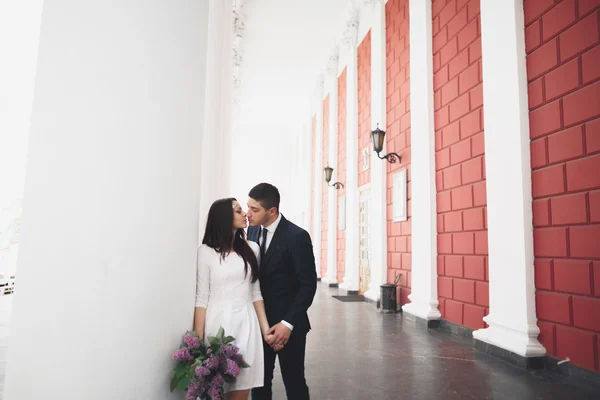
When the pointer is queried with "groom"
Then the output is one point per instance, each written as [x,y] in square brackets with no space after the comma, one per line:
[288,282]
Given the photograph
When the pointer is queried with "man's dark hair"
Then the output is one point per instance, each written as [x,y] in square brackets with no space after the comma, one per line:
[266,194]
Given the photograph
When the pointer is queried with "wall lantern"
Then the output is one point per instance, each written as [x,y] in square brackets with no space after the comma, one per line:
[378,137]
[328,172]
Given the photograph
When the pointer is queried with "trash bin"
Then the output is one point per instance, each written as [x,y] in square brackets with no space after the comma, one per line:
[388,298]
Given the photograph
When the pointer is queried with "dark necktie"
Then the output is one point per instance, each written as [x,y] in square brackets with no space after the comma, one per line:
[263,244]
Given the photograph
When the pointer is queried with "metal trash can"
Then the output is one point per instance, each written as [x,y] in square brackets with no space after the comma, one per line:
[388,298]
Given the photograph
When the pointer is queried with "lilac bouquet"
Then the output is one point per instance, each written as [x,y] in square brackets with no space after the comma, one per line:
[202,370]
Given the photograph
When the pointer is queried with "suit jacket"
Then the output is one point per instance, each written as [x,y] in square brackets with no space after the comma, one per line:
[288,276]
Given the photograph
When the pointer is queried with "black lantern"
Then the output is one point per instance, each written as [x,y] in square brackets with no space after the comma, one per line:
[328,172]
[378,137]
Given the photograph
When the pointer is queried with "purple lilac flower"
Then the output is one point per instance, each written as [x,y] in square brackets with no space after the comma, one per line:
[193,342]
[229,351]
[211,363]
[217,381]
[232,368]
[183,355]
[237,358]
[202,371]
[215,393]
[195,389]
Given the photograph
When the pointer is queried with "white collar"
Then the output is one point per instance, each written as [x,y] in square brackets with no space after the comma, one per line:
[273,227]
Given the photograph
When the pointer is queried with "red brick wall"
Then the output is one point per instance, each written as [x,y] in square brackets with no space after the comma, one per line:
[341,171]
[460,166]
[563,71]
[398,138]
[364,106]
[325,193]
[312,175]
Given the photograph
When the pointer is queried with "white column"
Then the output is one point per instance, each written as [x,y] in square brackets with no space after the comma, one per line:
[216,148]
[423,297]
[512,319]
[377,215]
[318,177]
[331,275]
[107,262]
[350,282]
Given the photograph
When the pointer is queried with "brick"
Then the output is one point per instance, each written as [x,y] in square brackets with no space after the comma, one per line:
[478,145]
[453,311]
[548,181]
[464,290]
[541,212]
[544,120]
[533,36]
[474,9]
[440,78]
[584,241]
[442,117]
[579,37]
[472,170]
[473,219]
[553,307]
[476,96]
[562,80]
[596,268]
[594,198]
[546,336]
[474,267]
[592,136]
[469,78]
[481,242]
[459,63]
[460,152]
[453,222]
[452,177]
[401,244]
[457,23]
[570,209]
[473,316]
[585,6]
[453,266]
[449,51]
[482,294]
[475,51]
[581,105]
[580,173]
[447,12]
[451,134]
[396,263]
[462,198]
[459,107]
[572,276]
[591,65]
[443,201]
[479,194]
[543,274]
[565,145]
[550,242]
[444,243]
[535,92]
[470,124]
[467,35]
[538,153]
[542,60]
[442,159]
[406,261]
[462,243]
[439,180]
[576,344]
[534,9]
[445,287]
[557,19]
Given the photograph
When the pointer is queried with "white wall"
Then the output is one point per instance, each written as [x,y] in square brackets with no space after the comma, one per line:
[109,231]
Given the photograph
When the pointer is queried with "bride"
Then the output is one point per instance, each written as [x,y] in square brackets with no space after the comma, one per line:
[228,292]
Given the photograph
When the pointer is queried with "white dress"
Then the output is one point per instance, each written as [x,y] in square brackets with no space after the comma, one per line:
[228,296]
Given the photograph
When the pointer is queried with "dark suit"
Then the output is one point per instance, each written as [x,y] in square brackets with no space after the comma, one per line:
[288,282]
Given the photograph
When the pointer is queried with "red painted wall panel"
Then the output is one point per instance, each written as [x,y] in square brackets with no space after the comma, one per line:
[340,174]
[364,107]
[325,192]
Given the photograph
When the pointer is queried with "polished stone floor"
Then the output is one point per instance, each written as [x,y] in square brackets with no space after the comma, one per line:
[353,352]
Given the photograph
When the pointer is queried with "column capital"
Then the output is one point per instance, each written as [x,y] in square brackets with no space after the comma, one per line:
[350,37]
[333,62]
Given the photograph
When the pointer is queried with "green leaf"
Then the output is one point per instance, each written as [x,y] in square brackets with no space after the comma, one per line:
[214,341]
[244,364]
[183,383]
[221,333]
[173,381]
[228,378]
[228,339]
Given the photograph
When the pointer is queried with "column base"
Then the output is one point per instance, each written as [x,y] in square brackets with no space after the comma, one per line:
[330,281]
[373,295]
[524,344]
[349,286]
[424,310]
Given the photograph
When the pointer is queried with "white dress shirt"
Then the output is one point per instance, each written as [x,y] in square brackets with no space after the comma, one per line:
[270,233]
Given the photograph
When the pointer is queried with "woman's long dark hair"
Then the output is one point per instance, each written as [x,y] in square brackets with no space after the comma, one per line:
[219,236]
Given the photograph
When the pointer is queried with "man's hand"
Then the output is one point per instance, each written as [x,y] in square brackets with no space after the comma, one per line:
[281,335]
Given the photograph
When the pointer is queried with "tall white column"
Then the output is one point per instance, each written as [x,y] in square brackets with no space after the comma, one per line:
[216,149]
[512,319]
[331,275]
[350,281]
[107,260]
[377,215]
[423,296]
[318,177]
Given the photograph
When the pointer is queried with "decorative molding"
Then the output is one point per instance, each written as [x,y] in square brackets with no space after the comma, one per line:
[333,62]
[373,3]
[350,37]
[238,20]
